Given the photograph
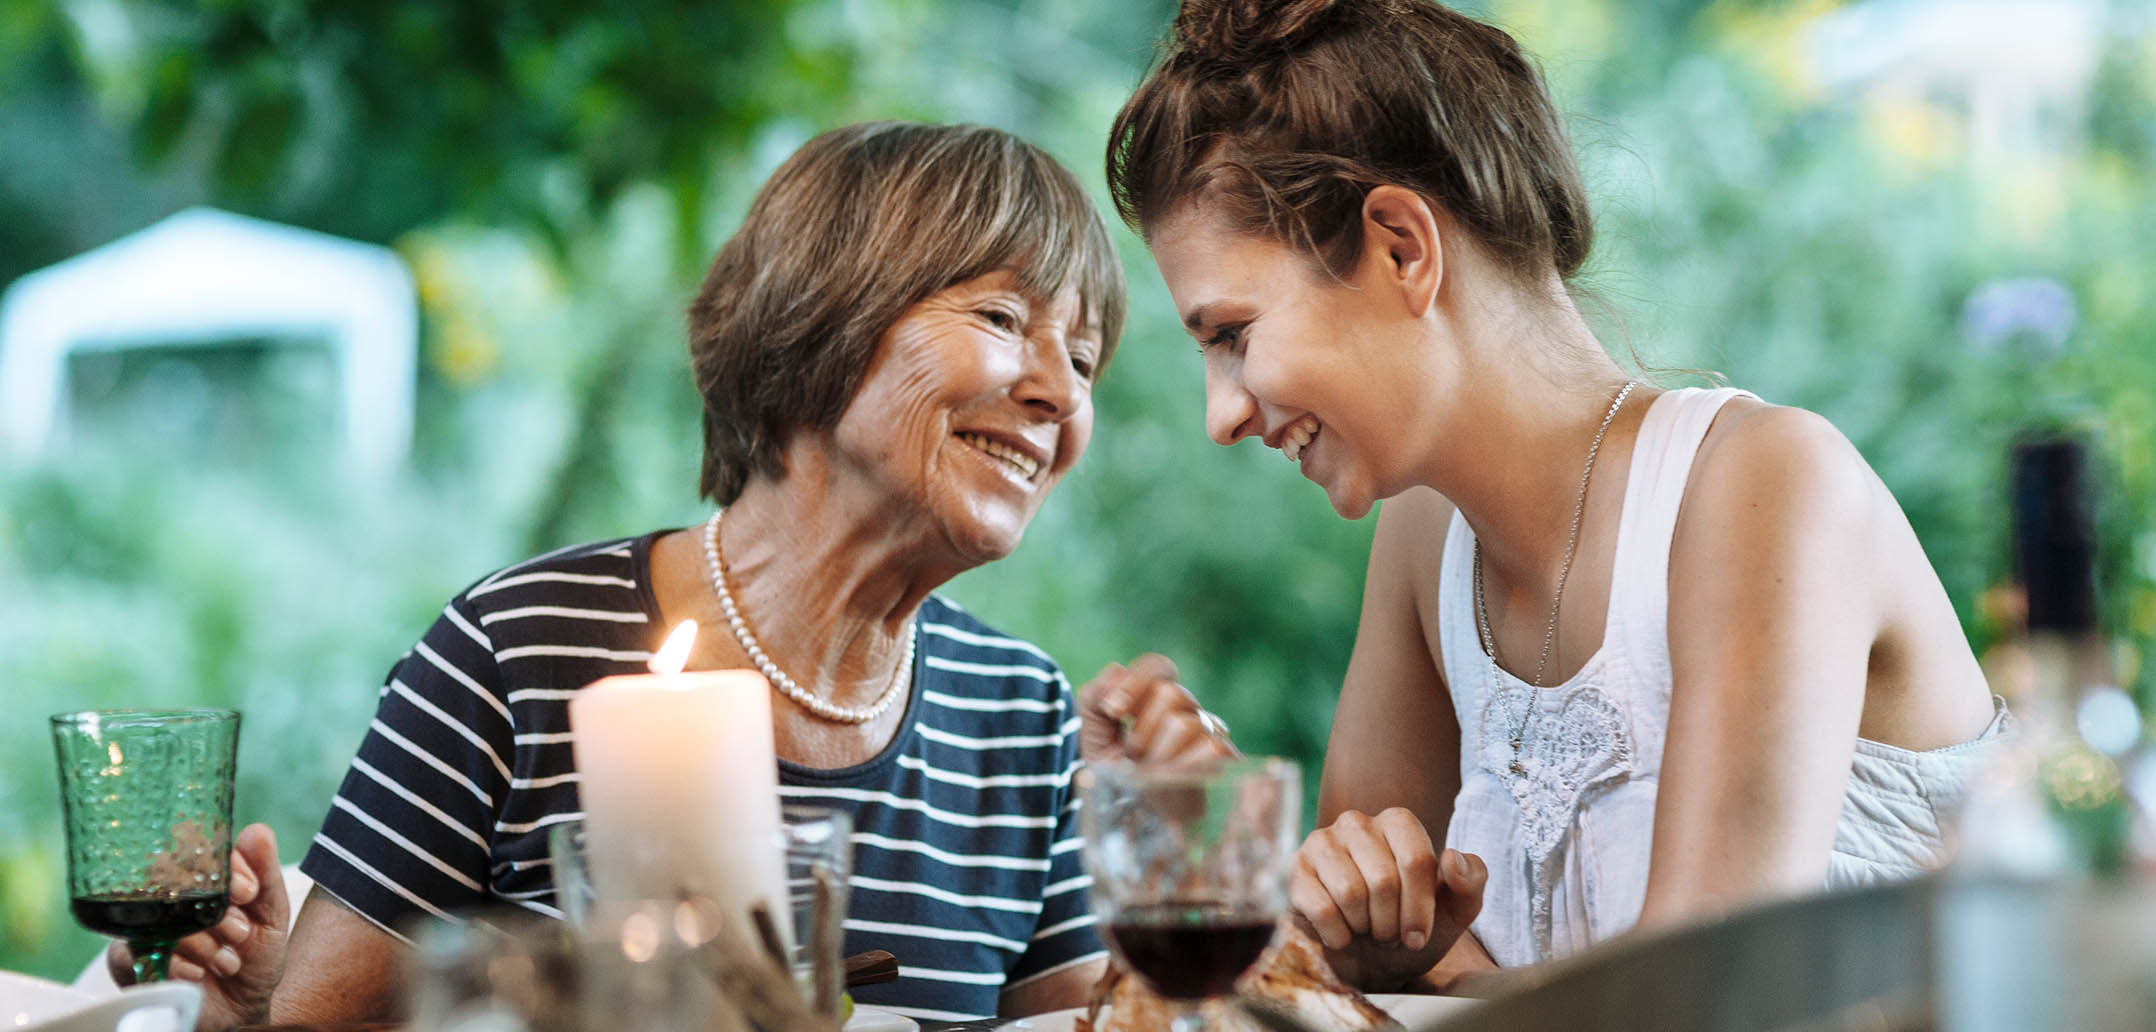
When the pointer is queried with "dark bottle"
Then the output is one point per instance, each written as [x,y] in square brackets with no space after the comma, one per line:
[2055,804]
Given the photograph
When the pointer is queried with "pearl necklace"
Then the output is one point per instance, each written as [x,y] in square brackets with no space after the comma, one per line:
[1564,570]
[837,714]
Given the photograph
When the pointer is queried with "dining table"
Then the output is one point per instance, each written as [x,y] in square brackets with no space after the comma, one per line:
[975,1025]
[1941,954]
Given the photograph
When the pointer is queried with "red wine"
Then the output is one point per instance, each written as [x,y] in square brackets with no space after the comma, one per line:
[1190,951]
[149,918]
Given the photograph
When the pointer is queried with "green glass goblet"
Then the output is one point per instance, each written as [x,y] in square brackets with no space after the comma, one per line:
[148,801]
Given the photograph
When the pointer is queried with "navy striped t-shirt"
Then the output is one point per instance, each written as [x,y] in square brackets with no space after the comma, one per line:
[966,860]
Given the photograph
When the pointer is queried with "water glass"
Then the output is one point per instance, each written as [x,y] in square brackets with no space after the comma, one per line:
[514,971]
[817,842]
[819,863]
[147,796]
[573,892]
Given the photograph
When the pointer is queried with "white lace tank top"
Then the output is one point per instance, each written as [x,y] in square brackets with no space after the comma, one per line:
[1567,837]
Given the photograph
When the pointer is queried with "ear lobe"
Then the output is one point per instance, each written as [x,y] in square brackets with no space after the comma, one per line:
[1400,232]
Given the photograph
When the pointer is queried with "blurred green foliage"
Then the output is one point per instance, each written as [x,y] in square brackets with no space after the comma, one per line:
[557,174]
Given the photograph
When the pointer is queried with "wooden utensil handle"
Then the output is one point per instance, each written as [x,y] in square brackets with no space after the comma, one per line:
[871,968]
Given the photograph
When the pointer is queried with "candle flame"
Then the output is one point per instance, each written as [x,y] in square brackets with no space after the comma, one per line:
[674,654]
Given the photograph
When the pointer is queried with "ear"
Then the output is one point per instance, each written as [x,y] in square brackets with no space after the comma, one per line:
[1401,241]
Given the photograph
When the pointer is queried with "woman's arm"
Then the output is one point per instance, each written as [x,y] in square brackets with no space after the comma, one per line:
[1775,588]
[1395,740]
[339,967]
[1375,889]
[407,831]
[1060,989]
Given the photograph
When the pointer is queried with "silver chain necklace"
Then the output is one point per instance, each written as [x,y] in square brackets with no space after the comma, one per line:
[837,714]
[1564,571]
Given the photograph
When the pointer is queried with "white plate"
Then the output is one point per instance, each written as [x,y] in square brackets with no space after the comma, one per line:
[32,1004]
[25,999]
[876,1019]
[1412,1011]
[1419,1011]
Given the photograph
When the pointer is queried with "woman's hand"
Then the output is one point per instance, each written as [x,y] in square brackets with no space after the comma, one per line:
[1376,892]
[239,961]
[1142,713]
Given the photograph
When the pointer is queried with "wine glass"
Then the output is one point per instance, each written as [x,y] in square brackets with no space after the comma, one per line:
[1190,870]
[148,801]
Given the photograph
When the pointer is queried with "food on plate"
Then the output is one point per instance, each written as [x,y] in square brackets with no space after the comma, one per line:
[1292,974]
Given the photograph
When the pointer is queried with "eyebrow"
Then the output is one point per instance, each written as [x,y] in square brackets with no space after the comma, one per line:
[1197,317]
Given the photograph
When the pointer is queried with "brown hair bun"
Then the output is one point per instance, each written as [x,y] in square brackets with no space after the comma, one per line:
[1232,31]
[1284,114]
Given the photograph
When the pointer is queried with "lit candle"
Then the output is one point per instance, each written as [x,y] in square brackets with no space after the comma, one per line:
[680,786]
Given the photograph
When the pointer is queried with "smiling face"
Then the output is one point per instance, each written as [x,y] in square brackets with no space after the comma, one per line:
[1311,365]
[978,401]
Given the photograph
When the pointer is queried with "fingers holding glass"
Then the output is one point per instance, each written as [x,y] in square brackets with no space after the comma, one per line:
[203,955]
[238,960]
[258,882]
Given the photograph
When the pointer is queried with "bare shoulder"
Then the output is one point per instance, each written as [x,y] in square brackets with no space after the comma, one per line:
[1781,511]
[1765,466]
[1791,554]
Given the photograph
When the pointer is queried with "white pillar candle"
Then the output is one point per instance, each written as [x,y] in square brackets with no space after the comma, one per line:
[680,791]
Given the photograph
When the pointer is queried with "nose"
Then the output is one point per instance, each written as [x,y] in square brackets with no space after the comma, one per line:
[1231,413]
[1050,386]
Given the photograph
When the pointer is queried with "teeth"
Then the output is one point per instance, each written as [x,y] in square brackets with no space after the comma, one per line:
[1299,437]
[1025,464]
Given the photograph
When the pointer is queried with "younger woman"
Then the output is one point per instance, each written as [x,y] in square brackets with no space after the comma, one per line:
[1645,653]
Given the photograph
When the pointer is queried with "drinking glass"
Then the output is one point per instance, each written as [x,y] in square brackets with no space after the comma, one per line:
[1190,870]
[147,796]
[819,861]
[817,843]
[508,970]
[573,892]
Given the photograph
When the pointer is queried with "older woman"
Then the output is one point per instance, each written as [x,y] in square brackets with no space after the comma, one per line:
[896,354]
